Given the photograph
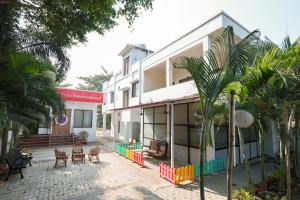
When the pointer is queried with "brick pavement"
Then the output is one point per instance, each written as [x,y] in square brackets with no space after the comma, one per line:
[114,177]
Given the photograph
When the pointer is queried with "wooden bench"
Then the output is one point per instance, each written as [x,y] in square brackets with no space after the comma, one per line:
[158,148]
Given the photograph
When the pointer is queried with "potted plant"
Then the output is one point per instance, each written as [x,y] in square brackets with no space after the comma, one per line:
[83,135]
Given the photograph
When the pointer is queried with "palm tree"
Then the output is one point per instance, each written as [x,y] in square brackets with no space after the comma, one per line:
[212,73]
[272,86]
[28,88]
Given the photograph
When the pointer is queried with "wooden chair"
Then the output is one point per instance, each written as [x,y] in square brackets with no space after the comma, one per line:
[94,153]
[60,155]
[77,148]
[77,153]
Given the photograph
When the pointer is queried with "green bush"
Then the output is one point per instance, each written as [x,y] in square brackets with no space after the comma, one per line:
[243,194]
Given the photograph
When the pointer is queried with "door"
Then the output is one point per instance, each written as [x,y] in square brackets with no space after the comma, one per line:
[62,125]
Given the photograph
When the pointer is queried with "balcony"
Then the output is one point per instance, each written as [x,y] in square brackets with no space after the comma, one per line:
[178,91]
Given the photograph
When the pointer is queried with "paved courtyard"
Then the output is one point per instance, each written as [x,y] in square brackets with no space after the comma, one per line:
[114,177]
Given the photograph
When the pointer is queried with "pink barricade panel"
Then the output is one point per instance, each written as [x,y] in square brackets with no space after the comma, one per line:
[139,158]
[167,172]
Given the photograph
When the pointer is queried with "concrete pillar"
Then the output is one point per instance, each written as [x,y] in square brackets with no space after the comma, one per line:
[169,129]
[169,73]
[206,43]
[113,127]
[210,150]
[142,127]
[104,124]
[172,134]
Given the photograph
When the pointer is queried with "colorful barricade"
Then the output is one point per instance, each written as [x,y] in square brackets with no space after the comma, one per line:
[126,150]
[184,173]
[210,167]
[189,172]
[120,149]
[167,172]
[139,158]
[130,154]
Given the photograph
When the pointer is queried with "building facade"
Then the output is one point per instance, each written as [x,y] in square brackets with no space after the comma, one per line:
[80,114]
[153,98]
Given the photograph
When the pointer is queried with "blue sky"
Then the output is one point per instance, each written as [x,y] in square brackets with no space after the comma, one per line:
[170,19]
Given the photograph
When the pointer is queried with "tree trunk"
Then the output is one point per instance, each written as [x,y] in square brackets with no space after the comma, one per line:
[247,166]
[261,154]
[201,179]
[230,142]
[296,147]
[281,155]
[202,194]
[287,156]
[4,141]
[15,142]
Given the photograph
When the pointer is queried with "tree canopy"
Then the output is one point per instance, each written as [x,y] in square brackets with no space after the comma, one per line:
[49,28]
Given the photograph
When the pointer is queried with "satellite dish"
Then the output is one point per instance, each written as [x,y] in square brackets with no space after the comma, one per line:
[243,119]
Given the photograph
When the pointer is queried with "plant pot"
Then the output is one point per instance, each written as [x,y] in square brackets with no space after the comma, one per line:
[84,142]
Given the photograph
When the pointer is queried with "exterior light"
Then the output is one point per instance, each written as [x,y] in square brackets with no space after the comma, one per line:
[243,119]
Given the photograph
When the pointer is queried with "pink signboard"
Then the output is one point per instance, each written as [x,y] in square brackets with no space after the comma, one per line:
[80,95]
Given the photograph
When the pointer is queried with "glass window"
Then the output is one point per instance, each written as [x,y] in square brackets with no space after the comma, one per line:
[181,135]
[126,66]
[135,89]
[191,113]
[221,140]
[180,114]
[160,132]
[148,115]
[87,118]
[148,130]
[160,114]
[125,98]
[112,97]
[78,119]
[195,137]
[83,118]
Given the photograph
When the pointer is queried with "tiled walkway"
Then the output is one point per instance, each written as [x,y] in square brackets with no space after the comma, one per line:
[114,177]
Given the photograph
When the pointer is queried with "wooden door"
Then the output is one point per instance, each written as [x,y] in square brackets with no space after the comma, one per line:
[63,124]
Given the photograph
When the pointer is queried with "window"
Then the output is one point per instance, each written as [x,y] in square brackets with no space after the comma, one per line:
[83,118]
[125,98]
[112,97]
[43,122]
[126,66]
[135,89]
[155,124]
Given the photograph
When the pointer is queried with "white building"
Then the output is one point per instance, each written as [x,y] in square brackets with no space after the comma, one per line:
[152,99]
[80,114]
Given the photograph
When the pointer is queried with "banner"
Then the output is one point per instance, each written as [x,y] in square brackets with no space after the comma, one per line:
[80,95]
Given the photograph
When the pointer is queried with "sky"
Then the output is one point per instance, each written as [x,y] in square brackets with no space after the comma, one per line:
[170,19]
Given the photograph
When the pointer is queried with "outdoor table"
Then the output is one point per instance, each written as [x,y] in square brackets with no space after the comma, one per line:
[78,156]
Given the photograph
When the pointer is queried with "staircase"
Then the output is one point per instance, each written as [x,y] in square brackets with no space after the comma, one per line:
[47,140]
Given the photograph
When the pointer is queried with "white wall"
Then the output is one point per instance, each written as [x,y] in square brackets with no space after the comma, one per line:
[179,74]
[154,79]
